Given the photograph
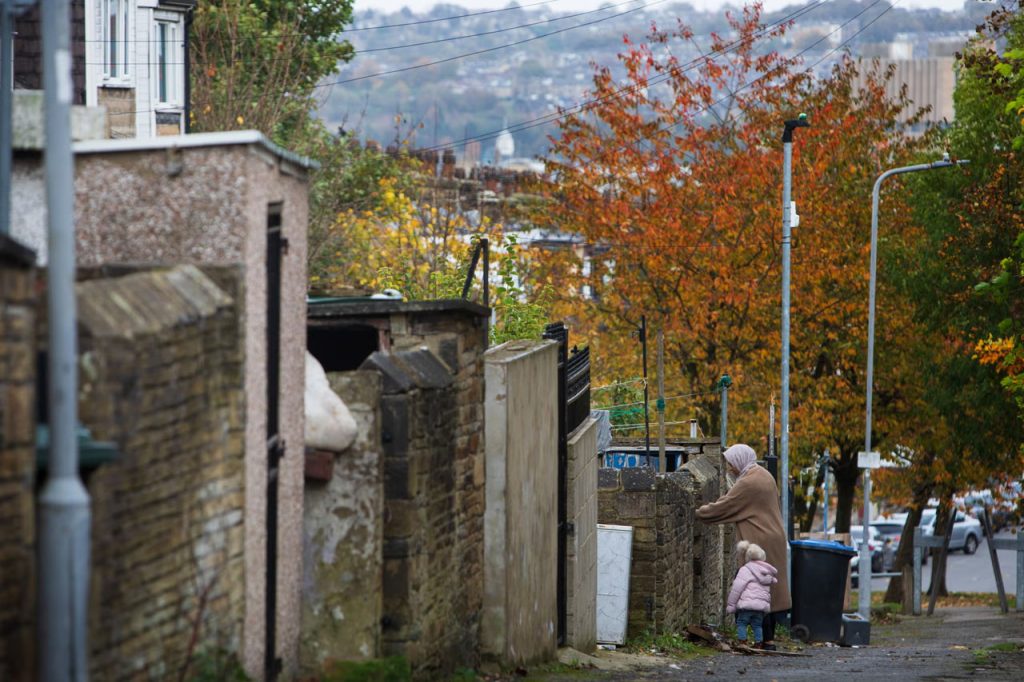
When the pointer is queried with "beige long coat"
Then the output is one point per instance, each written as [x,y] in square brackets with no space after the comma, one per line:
[753,505]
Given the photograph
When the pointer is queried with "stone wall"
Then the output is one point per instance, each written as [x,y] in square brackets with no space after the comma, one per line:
[424,606]
[581,547]
[17,461]
[678,574]
[343,537]
[28,50]
[161,376]
[712,556]
[454,331]
[460,340]
[519,624]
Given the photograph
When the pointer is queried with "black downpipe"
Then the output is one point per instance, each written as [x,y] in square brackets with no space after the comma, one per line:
[275,444]
[188,72]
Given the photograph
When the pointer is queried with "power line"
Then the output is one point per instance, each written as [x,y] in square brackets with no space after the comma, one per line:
[451,18]
[489,49]
[381,26]
[360,51]
[492,32]
[580,106]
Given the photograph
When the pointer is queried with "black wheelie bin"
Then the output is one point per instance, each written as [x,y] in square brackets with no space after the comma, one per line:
[819,569]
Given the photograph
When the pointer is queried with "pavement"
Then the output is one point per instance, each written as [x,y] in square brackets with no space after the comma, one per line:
[955,644]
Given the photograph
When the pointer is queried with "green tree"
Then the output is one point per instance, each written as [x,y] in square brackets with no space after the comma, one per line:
[256,64]
[971,222]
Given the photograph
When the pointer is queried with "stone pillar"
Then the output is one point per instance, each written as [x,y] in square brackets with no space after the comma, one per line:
[519,624]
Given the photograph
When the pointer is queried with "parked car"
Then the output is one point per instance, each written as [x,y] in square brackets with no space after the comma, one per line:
[875,541]
[967,531]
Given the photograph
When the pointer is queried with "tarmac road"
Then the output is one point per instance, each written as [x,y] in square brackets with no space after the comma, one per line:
[955,644]
[971,573]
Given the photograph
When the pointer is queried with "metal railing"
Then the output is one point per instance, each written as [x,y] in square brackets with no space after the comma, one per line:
[483,248]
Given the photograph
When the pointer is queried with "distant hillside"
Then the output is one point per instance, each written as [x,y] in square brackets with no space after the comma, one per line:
[477,95]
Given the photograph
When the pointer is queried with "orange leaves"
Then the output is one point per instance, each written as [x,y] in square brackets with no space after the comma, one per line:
[676,187]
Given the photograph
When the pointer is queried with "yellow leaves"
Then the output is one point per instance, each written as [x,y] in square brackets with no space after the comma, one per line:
[992,351]
[240,120]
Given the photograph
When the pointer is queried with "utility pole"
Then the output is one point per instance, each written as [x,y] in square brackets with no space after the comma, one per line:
[868,459]
[787,165]
[63,503]
[723,385]
[662,462]
[647,412]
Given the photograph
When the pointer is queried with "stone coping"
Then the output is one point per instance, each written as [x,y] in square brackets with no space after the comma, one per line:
[328,309]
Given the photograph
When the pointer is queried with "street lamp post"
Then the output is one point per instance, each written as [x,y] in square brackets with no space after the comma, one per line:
[867,459]
[787,219]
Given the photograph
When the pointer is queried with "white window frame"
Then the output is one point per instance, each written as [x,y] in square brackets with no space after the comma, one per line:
[172,47]
[120,69]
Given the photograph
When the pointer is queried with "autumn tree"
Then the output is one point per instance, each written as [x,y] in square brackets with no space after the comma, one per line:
[675,173]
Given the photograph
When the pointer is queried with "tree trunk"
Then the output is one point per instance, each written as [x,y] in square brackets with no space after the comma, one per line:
[941,519]
[905,553]
[847,473]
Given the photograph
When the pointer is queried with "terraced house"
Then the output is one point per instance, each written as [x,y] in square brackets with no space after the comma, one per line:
[129,56]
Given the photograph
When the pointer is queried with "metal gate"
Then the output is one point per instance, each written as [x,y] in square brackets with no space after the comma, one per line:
[573,410]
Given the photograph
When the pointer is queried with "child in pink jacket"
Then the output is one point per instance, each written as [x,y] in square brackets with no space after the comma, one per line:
[750,597]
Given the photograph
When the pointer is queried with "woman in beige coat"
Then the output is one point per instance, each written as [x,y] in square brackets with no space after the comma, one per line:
[753,505]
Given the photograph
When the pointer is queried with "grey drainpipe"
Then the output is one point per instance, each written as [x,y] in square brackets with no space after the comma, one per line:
[6,95]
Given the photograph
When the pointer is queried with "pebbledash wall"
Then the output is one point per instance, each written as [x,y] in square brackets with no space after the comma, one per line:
[17,461]
[161,377]
[678,571]
[206,199]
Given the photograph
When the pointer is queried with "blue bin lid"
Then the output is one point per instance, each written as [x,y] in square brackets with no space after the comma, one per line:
[824,546]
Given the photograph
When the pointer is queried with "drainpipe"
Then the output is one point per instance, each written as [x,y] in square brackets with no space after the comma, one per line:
[63,503]
[188,71]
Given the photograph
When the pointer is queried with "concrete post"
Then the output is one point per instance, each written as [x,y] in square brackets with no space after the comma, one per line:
[63,502]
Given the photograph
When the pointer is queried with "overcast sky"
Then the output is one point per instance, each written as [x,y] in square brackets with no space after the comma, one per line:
[577,5]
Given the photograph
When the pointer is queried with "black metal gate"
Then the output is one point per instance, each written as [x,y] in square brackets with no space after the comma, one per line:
[275,444]
[573,410]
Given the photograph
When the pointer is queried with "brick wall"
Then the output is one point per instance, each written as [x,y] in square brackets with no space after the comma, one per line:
[17,461]
[581,548]
[343,536]
[28,50]
[678,573]
[161,376]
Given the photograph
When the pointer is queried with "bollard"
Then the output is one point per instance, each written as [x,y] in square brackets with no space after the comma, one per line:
[918,551]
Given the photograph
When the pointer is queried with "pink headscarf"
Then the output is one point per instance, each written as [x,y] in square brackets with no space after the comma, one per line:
[741,457]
